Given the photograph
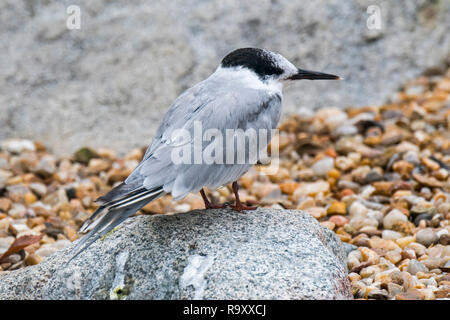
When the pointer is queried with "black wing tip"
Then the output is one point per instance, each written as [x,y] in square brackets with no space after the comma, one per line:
[109,221]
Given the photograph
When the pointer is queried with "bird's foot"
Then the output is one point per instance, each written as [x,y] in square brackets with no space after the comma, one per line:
[216,206]
[241,207]
[209,205]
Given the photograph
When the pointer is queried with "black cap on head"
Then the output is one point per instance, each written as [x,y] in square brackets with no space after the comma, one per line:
[258,60]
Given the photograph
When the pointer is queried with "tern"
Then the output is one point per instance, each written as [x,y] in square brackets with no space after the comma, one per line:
[245,92]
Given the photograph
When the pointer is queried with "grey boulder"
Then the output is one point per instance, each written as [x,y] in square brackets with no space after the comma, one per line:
[209,254]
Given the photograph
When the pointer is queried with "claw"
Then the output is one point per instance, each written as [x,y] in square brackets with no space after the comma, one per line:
[236,207]
[209,205]
[239,206]
[216,206]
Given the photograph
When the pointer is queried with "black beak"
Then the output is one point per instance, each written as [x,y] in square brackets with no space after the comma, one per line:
[313,75]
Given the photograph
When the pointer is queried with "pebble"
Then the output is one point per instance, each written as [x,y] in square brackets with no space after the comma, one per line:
[17,211]
[432,165]
[403,168]
[423,208]
[287,187]
[337,208]
[370,271]
[361,240]
[434,263]
[391,235]
[427,294]
[369,255]
[370,231]
[345,130]
[338,220]
[444,239]
[50,248]
[4,224]
[412,157]
[4,176]
[98,165]
[33,259]
[45,167]
[45,251]
[84,155]
[17,146]
[427,237]
[357,209]
[394,289]
[423,216]
[328,224]
[332,117]
[378,294]
[344,163]
[415,266]
[313,188]
[393,217]
[317,212]
[394,256]
[5,243]
[354,258]
[5,204]
[403,242]
[404,227]
[443,293]
[419,249]
[378,243]
[266,190]
[358,223]
[184,207]
[13,259]
[412,294]
[323,166]
[38,188]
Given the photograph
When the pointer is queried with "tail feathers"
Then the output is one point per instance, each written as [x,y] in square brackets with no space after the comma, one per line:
[88,223]
[121,202]
[110,217]
[121,191]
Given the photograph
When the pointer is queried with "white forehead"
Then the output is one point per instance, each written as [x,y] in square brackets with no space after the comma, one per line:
[283,63]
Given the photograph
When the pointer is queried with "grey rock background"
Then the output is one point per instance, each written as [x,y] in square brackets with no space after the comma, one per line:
[213,254]
[108,84]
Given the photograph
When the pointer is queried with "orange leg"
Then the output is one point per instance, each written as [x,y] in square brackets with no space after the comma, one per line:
[209,205]
[239,206]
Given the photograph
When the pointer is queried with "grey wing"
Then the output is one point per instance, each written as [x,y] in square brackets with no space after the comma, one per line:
[180,111]
[230,109]
[157,174]
[128,197]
